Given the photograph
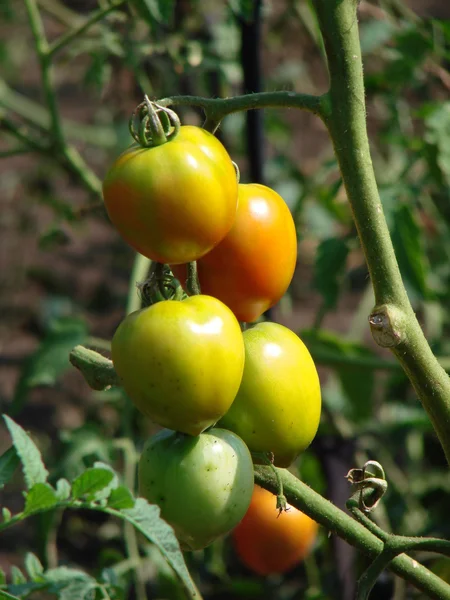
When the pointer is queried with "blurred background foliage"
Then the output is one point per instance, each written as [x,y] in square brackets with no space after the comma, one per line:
[65,274]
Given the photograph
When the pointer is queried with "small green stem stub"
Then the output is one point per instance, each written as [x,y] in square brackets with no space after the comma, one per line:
[192,283]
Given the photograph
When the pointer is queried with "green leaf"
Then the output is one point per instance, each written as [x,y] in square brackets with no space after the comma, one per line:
[120,498]
[63,489]
[407,238]
[104,493]
[32,465]
[375,33]
[78,589]
[145,517]
[8,464]
[70,584]
[6,596]
[6,514]
[92,481]
[244,9]
[66,575]
[41,497]
[17,577]
[50,360]
[33,566]
[329,269]
[159,11]
[2,577]
[98,74]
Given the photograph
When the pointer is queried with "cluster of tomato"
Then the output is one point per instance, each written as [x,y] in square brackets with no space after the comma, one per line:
[186,364]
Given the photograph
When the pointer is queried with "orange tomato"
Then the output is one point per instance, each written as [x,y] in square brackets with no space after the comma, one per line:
[269,543]
[173,203]
[252,267]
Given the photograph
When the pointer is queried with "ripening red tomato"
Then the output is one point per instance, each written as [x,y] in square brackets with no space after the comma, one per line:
[174,202]
[252,267]
[268,542]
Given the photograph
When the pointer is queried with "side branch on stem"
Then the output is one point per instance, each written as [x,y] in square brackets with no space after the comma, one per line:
[216,109]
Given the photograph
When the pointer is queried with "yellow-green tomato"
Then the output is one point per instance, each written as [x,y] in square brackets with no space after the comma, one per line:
[174,202]
[277,408]
[181,362]
[202,484]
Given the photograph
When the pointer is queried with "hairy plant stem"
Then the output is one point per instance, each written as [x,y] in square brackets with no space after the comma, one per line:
[393,321]
[216,108]
[42,50]
[301,496]
[130,536]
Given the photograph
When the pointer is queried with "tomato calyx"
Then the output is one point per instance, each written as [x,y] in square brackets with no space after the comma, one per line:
[160,285]
[153,125]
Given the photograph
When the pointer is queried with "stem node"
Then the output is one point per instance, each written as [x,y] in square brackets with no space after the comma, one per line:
[387,325]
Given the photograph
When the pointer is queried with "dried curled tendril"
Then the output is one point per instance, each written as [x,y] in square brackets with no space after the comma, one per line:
[152,124]
[371,477]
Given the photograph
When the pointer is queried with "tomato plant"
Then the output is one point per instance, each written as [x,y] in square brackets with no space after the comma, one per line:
[277,408]
[173,202]
[181,362]
[270,542]
[252,267]
[202,484]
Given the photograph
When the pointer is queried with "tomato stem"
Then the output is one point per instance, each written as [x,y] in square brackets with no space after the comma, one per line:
[192,283]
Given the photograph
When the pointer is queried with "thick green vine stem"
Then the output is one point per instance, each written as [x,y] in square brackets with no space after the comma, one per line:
[301,496]
[153,125]
[393,321]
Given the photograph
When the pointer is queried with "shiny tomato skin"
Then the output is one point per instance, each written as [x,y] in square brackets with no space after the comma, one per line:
[181,362]
[278,405]
[202,484]
[252,267]
[268,542]
[173,203]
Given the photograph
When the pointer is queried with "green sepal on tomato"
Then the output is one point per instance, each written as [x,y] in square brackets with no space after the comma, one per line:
[181,362]
[252,267]
[173,202]
[278,405]
[203,485]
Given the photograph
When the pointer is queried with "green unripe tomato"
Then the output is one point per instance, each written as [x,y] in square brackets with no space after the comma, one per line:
[203,484]
[181,362]
[277,408]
